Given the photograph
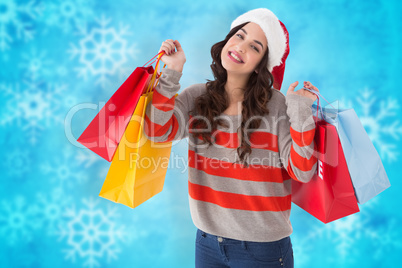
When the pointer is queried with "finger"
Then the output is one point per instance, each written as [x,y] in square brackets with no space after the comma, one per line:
[171,45]
[168,46]
[178,45]
[165,48]
[168,41]
[308,84]
[293,86]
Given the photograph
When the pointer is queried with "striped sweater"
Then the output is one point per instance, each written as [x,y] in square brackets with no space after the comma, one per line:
[245,203]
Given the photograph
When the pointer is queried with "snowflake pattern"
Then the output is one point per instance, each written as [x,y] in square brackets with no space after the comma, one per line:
[381,123]
[36,63]
[52,207]
[18,162]
[65,172]
[346,237]
[386,238]
[33,106]
[102,51]
[68,15]
[18,221]
[379,119]
[16,21]
[91,234]
[342,233]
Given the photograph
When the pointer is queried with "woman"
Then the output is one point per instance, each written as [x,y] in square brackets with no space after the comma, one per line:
[246,142]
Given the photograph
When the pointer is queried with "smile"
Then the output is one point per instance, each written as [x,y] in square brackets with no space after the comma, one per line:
[234,58]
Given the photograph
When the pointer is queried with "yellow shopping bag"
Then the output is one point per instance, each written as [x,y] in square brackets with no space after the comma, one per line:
[139,166]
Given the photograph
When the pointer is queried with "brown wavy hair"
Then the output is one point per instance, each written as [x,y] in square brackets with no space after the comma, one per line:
[215,101]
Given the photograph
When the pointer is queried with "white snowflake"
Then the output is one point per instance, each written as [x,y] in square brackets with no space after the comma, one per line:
[91,234]
[11,97]
[52,207]
[16,21]
[68,14]
[33,105]
[345,237]
[341,233]
[36,63]
[344,233]
[64,170]
[102,51]
[18,221]
[17,162]
[386,238]
[379,117]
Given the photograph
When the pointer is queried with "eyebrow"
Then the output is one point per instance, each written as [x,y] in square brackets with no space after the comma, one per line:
[258,42]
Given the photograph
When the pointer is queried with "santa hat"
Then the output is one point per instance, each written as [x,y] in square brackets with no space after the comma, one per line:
[277,39]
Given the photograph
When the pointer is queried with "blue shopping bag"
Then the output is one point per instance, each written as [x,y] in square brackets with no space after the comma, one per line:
[364,163]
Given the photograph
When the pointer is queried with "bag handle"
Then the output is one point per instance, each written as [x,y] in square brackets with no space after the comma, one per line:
[149,63]
[155,75]
[318,101]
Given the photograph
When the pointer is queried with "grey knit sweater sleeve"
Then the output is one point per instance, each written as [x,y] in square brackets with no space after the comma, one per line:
[167,116]
[296,138]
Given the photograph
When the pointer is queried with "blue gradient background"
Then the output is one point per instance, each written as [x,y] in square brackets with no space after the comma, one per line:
[50,212]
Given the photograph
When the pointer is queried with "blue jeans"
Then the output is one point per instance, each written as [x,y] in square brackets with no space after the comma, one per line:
[213,251]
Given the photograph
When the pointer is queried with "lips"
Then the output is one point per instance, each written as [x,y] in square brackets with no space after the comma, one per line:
[234,56]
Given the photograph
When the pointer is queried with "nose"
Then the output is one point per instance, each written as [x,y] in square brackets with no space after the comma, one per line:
[240,48]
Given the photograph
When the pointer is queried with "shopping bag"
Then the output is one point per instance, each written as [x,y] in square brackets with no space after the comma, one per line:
[139,167]
[364,163]
[329,195]
[104,132]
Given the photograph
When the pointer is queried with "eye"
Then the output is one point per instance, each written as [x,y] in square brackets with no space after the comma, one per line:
[239,36]
[255,48]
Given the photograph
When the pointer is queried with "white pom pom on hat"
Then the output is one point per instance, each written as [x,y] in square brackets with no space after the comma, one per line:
[277,39]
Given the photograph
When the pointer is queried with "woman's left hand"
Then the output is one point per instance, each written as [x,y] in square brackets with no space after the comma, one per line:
[303,92]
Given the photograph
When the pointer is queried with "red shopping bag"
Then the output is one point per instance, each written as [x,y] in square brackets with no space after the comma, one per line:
[104,133]
[329,195]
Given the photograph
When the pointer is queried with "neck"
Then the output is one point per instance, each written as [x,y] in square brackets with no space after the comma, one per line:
[235,86]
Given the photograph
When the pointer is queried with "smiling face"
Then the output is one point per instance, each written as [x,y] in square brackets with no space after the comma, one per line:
[244,50]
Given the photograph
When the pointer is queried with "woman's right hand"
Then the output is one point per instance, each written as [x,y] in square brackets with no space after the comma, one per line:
[174,59]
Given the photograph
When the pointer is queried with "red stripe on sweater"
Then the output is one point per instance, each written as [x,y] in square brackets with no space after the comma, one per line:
[239,201]
[228,140]
[175,128]
[162,103]
[257,139]
[221,168]
[264,140]
[300,162]
[302,138]
[155,130]
[290,171]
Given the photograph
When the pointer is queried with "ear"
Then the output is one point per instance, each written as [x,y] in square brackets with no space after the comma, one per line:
[256,71]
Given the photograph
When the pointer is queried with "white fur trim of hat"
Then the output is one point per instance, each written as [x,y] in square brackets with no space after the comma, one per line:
[269,23]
